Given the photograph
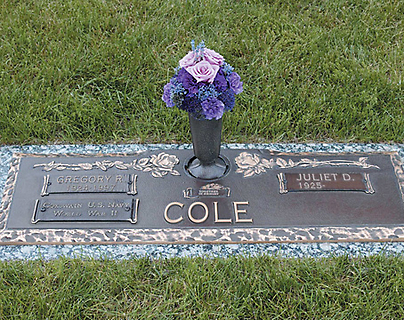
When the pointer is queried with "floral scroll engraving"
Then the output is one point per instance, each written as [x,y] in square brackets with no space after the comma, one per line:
[252,164]
[157,165]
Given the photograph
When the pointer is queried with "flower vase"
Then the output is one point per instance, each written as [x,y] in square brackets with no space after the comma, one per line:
[206,137]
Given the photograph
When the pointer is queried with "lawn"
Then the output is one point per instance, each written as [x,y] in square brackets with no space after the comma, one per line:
[93,71]
[233,288]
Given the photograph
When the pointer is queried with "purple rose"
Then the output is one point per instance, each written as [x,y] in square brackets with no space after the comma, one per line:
[203,71]
[188,81]
[235,83]
[220,81]
[212,108]
[167,95]
[213,57]
[189,60]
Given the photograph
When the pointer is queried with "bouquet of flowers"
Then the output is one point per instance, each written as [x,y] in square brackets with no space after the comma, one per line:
[204,85]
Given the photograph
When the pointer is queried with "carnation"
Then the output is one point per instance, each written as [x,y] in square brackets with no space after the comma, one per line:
[204,84]
[213,108]
[235,83]
[192,105]
[228,99]
[220,81]
[167,95]
[188,81]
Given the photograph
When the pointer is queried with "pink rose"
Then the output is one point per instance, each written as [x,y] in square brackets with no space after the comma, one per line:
[189,60]
[203,71]
[213,57]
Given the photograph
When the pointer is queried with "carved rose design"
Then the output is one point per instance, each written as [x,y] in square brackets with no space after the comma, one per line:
[165,161]
[249,164]
[158,165]
[247,160]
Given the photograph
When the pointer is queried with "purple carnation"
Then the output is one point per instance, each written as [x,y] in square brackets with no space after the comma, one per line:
[191,104]
[167,95]
[228,98]
[235,83]
[188,81]
[220,81]
[212,108]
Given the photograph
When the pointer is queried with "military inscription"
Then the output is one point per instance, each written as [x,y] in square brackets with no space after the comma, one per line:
[327,181]
[112,210]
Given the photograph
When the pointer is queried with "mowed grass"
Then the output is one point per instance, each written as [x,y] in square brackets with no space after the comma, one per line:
[200,288]
[93,71]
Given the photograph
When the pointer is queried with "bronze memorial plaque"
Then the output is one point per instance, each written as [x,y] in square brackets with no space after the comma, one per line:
[150,197]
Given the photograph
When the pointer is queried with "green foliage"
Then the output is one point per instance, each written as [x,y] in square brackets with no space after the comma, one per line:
[94,71]
[199,288]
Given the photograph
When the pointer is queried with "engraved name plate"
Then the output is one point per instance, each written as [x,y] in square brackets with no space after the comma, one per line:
[106,210]
[89,183]
[325,181]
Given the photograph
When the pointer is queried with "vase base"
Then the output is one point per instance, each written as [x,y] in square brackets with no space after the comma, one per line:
[218,169]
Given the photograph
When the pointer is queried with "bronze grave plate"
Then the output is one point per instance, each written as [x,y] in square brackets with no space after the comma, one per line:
[149,197]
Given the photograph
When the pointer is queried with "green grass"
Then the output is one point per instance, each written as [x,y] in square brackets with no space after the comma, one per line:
[93,71]
[198,288]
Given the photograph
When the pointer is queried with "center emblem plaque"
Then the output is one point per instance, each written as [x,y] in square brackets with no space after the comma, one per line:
[150,197]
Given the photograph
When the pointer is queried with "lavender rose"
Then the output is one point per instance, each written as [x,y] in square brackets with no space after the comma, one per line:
[203,71]
[189,60]
[213,57]
[212,108]
[235,83]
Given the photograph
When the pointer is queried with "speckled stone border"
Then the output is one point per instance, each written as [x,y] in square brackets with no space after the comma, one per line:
[124,250]
[121,252]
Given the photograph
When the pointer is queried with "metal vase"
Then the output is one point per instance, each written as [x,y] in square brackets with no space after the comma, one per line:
[206,138]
